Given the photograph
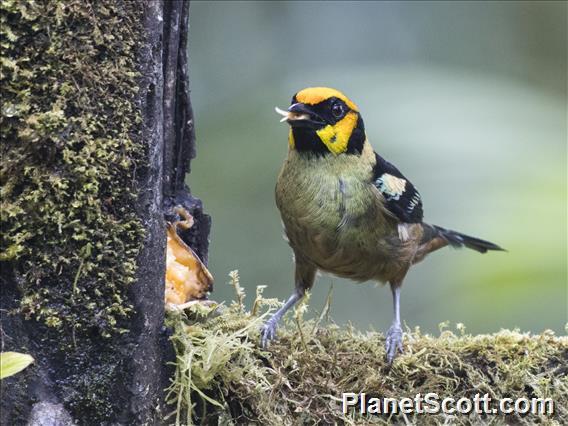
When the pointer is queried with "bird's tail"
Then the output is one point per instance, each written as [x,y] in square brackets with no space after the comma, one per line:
[457,239]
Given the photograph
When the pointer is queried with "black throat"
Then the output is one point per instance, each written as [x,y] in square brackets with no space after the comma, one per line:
[307,141]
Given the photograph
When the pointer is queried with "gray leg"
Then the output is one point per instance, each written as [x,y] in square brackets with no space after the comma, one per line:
[268,330]
[304,277]
[394,335]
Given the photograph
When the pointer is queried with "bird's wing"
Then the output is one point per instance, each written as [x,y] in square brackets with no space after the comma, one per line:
[401,197]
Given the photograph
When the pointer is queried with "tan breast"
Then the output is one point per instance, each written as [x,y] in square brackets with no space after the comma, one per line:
[335,217]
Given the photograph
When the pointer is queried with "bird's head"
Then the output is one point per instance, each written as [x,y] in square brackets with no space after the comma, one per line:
[324,121]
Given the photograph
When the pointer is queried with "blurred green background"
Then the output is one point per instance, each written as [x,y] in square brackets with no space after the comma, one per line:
[467,99]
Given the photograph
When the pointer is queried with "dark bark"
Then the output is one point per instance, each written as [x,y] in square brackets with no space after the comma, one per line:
[179,133]
[132,365]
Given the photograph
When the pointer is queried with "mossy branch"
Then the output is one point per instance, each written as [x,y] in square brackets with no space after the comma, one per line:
[223,374]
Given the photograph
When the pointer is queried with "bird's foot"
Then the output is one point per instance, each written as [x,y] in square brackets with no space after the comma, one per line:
[268,332]
[393,342]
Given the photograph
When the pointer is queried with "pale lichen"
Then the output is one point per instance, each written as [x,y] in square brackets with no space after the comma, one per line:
[222,374]
[71,147]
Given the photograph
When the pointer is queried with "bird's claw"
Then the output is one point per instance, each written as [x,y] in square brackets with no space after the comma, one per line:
[393,342]
[268,333]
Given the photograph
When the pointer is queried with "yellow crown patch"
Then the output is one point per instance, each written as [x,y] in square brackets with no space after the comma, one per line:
[315,95]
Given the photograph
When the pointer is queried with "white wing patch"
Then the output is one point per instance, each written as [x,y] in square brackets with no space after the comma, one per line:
[391,186]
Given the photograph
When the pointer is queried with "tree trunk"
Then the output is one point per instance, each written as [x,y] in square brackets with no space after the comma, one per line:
[97,137]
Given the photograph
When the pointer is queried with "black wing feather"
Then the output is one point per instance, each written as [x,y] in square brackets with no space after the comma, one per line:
[405,203]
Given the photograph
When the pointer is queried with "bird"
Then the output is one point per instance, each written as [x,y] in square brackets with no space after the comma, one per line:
[347,211]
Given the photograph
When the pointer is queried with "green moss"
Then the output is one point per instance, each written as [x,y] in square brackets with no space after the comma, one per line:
[222,373]
[71,146]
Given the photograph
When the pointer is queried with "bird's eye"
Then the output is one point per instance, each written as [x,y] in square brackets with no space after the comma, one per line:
[337,109]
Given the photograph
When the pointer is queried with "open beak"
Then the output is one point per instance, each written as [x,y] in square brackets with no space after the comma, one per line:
[300,115]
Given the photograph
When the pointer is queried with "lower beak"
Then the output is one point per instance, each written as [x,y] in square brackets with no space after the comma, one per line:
[299,115]
[291,115]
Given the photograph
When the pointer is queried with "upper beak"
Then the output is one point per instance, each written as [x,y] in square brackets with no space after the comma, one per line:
[300,115]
